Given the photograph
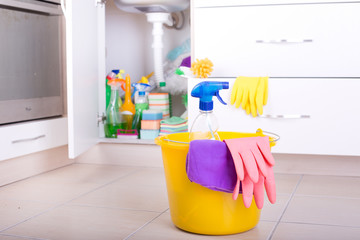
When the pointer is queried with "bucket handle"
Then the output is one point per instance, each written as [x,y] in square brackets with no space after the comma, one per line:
[276,137]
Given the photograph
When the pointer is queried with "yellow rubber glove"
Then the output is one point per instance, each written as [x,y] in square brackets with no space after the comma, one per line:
[259,99]
[251,93]
[234,91]
[240,92]
[266,92]
[237,92]
[253,90]
[261,94]
[247,107]
[245,103]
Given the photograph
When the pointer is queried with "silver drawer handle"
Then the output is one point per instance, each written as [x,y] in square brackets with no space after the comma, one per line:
[285,41]
[28,139]
[288,116]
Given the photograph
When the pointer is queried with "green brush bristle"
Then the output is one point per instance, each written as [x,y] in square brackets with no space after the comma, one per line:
[185,99]
[179,72]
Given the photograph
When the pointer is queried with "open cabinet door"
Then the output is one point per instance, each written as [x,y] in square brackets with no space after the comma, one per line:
[85,49]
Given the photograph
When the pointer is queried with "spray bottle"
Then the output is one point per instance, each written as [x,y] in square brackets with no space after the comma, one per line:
[206,125]
[141,103]
[128,108]
[114,74]
[114,119]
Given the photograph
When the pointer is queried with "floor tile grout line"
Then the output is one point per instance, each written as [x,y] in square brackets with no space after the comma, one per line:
[56,169]
[120,165]
[327,196]
[36,175]
[145,224]
[317,174]
[31,217]
[322,224]
[104,185]
[104,207]
[20,236]
[66,202]
[286,206]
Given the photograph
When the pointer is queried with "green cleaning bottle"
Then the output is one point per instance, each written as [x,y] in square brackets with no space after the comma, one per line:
[141,104]
[114,74]
[113,114]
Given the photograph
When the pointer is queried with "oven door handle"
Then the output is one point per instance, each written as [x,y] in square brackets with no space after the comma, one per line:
[55,10]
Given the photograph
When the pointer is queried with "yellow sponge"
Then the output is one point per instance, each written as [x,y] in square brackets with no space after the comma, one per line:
[202,68]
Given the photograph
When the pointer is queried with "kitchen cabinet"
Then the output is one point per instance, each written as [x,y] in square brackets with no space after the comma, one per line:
[28,137]
[311,116]
[85,56]
[280,40]
[309,50]
[35,96]
[86,71]
[128,46]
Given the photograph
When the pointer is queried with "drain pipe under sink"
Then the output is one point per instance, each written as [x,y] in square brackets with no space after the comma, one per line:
[158,19]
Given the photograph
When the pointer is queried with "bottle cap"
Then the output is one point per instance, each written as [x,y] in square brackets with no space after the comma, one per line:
[206,106]
[116,71]
[206,90]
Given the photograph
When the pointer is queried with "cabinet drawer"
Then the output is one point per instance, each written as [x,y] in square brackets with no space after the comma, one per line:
[331,104]
[29,137]
[297,40]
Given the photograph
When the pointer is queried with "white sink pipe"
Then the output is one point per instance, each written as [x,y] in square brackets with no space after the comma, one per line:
[158,19]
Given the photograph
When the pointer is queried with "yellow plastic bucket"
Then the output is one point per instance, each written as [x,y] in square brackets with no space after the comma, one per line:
[195,208]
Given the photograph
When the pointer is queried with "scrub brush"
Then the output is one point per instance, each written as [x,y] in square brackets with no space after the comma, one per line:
[202,68]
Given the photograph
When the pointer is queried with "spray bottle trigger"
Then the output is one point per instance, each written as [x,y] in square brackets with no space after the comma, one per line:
[122,84]
[220,99]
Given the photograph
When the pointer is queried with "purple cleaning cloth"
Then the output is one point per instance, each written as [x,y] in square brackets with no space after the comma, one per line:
[209,163]
[186,62]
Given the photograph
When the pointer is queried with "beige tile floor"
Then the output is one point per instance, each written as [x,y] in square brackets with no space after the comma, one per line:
[89,201]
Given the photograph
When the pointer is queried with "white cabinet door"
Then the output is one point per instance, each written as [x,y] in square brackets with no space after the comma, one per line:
[85,43]
[295,40]
[312,116]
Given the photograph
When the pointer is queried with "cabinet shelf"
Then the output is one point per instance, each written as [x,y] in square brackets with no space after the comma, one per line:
[129,141]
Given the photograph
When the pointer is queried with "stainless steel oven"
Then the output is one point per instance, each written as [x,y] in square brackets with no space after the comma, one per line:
[31,60]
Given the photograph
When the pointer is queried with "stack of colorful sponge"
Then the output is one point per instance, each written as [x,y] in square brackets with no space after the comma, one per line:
[160,101]
[173,125]
[150,124]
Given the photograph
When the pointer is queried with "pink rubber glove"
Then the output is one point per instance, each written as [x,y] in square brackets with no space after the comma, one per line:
[269,180]
[251,152]
[250,189]
[245,163]
[270,185]
[247,190]
[253,163]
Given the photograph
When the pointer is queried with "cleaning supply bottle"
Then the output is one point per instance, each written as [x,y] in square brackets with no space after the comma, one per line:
[114,74]
[206,125]
[141,103]
[128,108]
[114,119]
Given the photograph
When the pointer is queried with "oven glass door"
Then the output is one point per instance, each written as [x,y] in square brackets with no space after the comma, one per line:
[31,60]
